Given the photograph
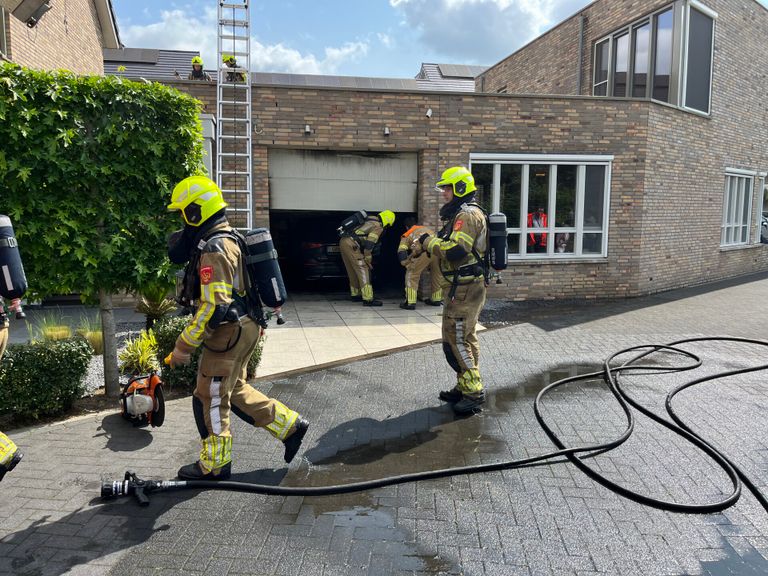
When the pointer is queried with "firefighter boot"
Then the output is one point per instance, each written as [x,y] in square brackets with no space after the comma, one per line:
[451,396]
[469,403]
[195,472]
[430,302]
[372,303]
[11,464]
[293,442]
[406,306]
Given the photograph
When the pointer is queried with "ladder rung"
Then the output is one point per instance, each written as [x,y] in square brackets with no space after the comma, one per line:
[233,37]
[239,155]
[233,69]
[233,84]
[241,173]
[222,119]
[243,6]
[233,137]
[240,23]
[237,102]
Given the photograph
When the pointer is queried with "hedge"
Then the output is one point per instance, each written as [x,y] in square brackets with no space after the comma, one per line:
[43,378]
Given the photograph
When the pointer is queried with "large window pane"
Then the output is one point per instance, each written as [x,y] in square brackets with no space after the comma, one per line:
[483,174]
[699,61]
[662,70]
[737,201]
[594,197]
[510,188]
[621,65]
[642,36]
[538,200]
[602,61]
[565,200]
[592,244]
[513,244]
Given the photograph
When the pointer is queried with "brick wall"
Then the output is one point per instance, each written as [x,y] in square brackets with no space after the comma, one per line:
[688,155]
[68,36]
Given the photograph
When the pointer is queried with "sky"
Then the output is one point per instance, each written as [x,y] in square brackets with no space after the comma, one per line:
[380,38]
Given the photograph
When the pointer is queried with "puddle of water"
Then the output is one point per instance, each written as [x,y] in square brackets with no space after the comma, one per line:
[751,564]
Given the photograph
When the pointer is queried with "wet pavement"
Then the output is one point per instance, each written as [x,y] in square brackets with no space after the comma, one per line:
[380,417]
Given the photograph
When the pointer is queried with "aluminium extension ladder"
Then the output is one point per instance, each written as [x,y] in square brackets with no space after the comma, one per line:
[234,156]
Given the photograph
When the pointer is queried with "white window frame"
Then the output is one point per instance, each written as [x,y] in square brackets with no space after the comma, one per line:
[696,5]
[761,176]
[553,161]
[744,192]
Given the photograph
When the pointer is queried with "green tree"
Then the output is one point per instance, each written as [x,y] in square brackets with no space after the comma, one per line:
[86,168]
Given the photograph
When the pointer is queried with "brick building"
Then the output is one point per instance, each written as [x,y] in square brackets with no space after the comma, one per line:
[69,35]
[627,147]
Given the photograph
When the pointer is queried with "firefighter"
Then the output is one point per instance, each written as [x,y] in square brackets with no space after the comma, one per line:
[460,247]
[357,249]
[416,260]
[197,70]
[228,324]
[9,453]
[231,62]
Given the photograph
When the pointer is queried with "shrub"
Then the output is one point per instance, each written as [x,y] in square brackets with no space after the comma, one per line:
[154,303]
[167,331]
[43,378]
[140,354]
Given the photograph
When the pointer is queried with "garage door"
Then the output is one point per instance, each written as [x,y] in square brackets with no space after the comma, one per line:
[321,180]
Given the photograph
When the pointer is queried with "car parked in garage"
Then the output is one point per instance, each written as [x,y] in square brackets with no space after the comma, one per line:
[321,260]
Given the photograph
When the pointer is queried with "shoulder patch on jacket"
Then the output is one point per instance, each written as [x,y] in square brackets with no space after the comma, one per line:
[206,274]
[458,225]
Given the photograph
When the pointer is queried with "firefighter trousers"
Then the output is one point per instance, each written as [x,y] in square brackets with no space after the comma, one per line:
[460,344]
[413,269]
[357,269]
[7,447]
[222,388]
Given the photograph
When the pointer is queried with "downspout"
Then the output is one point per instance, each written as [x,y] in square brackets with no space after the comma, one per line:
[579,66]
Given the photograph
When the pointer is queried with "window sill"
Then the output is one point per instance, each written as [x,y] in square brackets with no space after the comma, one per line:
[560,260]
[741,247]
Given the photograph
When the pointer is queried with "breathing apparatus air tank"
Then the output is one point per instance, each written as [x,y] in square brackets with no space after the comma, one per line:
[351,222]
[497,225]
[263,268]
[13,282]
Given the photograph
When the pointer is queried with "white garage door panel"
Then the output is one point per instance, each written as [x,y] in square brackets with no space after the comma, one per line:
[314,180]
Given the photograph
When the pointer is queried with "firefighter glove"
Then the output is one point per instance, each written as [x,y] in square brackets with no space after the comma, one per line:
[180,356]
[422,239]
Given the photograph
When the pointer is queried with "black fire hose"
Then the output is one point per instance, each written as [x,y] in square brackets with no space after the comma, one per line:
[131,485]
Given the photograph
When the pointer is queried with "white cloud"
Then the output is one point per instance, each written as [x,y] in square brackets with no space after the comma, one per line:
[386,40]
[483,31]
[177,30]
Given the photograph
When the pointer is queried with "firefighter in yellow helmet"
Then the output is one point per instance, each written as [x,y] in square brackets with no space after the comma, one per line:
[357,247]
[228,325]
[231,62]
[197,70]
[460,247]
[415,260]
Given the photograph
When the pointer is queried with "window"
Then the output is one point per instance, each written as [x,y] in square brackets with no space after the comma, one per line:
[667,56]
[640,44]
[737,208]
[662,69]
[602,60]
[621,65]
[556,206]
[698,61]
[3,37]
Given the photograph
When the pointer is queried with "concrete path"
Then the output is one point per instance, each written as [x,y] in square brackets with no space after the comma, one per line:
[380,416]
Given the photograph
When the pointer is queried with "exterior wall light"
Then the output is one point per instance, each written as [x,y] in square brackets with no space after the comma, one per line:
[386,130]
[307,129]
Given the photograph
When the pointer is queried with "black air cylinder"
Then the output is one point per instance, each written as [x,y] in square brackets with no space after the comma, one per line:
[263,269]
[13,283]
[498,240]
[352,221]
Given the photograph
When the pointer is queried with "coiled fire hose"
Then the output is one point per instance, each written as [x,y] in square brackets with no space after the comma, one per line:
[132,485]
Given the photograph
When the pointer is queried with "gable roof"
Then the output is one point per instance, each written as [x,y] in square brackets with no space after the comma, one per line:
[451,77]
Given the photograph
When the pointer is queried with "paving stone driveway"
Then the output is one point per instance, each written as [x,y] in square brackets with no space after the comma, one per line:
[380,417]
